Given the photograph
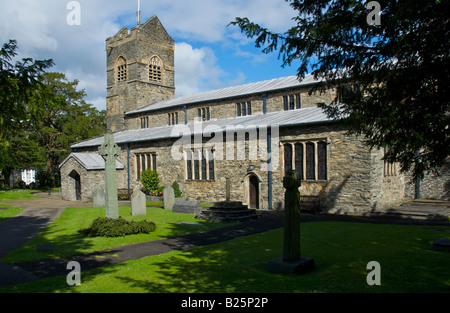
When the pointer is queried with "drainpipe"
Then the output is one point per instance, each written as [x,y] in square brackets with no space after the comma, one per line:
[269,176]
[264,103]
[128,165]
[185,114]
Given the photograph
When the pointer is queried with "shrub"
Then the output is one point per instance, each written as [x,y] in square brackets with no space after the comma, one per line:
[176,189]
[110,227]
[158,192]
[150,180]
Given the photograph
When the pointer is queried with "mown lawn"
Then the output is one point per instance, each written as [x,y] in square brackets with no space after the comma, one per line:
[8,211]
[63,233]
[17,194]
[341,252]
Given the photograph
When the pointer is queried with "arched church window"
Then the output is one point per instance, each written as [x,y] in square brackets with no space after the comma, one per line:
[155,70]
[310,161]
[322,160]
[121,69]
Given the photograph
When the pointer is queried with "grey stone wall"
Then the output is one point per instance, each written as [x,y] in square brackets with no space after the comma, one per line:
[138,46]
[90,180]
[433,186]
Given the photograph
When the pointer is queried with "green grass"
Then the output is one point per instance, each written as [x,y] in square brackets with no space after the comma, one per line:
[17,194]
[10,212]
[341,252]
[63,233]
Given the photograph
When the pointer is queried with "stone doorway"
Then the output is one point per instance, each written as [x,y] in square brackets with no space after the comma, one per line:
[77,179]
[253,192]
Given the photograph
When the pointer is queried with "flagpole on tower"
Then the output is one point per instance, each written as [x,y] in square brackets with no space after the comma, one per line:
[139,13]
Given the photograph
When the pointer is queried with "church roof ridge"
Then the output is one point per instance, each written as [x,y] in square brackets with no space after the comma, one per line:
[309,115]
[230,92]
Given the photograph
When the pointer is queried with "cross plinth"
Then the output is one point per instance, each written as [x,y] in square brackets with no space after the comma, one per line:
[109,150]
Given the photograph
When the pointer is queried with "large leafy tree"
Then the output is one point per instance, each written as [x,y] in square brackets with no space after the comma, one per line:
[41,114]
[392,77]
[17,82]
[59,116]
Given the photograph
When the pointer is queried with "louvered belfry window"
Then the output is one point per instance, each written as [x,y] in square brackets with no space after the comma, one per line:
[155,70]
[121,68]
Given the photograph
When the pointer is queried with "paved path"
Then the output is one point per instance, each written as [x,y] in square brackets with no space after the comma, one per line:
[38,213]
[17,230]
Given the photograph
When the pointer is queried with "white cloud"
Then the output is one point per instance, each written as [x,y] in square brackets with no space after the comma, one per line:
[195,69]
[40,27]
[29,25]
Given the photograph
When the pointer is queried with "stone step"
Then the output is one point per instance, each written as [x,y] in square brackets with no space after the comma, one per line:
[210,212]
[227,219]
[411,214]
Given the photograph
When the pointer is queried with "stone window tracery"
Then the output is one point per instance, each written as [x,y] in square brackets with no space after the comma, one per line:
[155,70]
[145,161]
[308,158]
[121,69]
[199,164]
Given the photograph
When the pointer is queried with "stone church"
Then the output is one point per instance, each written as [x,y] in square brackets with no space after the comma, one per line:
[249,134]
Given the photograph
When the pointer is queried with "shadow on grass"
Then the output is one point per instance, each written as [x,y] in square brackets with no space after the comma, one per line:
[341,252]
[205,263]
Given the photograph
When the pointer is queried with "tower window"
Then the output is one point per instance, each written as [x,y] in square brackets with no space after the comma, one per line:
[155,70]
[121,69]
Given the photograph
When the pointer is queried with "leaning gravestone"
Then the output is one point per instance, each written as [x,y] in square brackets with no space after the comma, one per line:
[138,204]
[168,197]
[291,261]
[98,198]
[109,150]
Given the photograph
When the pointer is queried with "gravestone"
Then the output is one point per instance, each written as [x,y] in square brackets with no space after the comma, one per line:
[291,261]
[441,244]
[109,150]
[168,197]
[98,197]
[187,207]
[138,203]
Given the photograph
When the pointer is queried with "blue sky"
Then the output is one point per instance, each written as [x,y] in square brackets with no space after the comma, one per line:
[208,54]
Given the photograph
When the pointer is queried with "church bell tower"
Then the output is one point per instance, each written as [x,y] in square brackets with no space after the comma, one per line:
[140,70]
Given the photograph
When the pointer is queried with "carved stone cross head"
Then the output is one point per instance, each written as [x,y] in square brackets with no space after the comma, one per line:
[109,149]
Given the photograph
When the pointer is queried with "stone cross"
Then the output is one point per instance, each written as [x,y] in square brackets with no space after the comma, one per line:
[291,261]
[291,243]
[109,150]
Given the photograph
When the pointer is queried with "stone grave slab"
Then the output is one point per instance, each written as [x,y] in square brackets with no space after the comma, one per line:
[168,197]
[98,198]
[138,203]
[187,207]
[442,244]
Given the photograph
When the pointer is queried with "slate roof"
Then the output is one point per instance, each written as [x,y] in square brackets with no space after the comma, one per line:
[230,92]
[304,116]
[90,161]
